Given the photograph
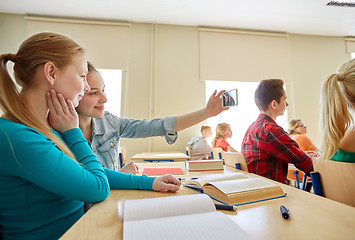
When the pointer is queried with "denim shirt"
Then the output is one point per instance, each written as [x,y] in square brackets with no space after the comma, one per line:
[107,131]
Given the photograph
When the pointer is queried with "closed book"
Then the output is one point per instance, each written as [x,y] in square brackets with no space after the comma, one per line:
[162,171]
[204,165]
[243,190]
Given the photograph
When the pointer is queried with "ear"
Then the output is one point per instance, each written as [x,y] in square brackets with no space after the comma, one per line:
[50,71]
[273,104]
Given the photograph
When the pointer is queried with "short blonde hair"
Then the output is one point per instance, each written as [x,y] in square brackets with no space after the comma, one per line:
[292,125]
[204,128]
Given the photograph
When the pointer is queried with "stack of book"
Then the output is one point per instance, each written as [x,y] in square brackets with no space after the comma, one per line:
[204,165]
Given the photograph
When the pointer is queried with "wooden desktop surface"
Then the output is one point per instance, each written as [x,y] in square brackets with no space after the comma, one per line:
[312,217]
[175,156]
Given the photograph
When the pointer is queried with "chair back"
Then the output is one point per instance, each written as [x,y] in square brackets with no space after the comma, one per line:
[187,151]
[217,153]
[232,158]
[122,156]
[337,179]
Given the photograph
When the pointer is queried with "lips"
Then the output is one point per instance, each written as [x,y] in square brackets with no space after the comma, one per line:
[100,108]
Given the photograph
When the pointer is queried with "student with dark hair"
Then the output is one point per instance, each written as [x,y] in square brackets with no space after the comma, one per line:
[268,149]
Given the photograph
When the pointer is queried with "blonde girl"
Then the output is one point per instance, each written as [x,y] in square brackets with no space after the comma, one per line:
[47,169]
[337,115]
[223,132]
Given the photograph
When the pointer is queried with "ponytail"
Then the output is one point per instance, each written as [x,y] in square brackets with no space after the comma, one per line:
[33,52]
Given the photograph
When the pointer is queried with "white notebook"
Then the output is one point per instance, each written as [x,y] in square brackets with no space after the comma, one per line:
[178,217]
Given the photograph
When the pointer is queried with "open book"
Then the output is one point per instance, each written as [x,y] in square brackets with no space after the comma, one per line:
[178,217]
[237,188]
[199,182]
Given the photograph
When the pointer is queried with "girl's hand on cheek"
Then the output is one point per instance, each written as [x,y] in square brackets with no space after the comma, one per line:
[62,115]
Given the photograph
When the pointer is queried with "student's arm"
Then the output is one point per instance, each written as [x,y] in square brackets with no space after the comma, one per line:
[32,156]
[213,108]
[120,180]
[278,143]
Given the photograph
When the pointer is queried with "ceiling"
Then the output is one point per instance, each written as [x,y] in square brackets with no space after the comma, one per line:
[312,17]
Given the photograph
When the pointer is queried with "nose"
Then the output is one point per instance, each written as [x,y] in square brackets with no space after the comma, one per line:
[86,86]
[103,98]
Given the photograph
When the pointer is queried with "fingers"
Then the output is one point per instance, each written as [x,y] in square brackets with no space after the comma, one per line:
[71,107]
[63,104]
[171,179]
[50,102]
[166,183]
[55,102]
[171,187]
[220,93]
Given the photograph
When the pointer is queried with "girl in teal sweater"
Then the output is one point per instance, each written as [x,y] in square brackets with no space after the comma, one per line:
[47,169]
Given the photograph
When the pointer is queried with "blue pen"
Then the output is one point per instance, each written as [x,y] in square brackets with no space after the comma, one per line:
[193,178]
[284,212]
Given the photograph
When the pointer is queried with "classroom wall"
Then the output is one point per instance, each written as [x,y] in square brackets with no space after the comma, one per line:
[163,75]
[313,58]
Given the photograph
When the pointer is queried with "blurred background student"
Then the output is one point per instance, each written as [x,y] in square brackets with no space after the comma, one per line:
[223,132]
[200,148]
[103,130]
[297,130]
[337,115]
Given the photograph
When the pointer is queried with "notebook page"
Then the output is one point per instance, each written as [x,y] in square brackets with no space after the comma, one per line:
[204,226]
[243,185]
[167,206]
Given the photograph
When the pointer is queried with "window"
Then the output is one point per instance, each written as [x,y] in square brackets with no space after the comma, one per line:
[113,87]
[353,55]
[241,116]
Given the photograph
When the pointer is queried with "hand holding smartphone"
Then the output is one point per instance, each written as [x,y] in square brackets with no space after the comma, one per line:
[230,98]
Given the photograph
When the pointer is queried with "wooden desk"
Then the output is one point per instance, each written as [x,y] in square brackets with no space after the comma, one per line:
[312,217]
[160,157]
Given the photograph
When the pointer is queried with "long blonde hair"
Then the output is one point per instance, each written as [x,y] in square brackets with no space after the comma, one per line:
[292,125]
[337,100]
[33,52]
[221,127]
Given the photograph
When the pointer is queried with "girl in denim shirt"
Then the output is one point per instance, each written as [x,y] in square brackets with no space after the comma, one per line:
[103,130]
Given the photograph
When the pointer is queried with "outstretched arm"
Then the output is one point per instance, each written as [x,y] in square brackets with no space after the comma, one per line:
[213,108]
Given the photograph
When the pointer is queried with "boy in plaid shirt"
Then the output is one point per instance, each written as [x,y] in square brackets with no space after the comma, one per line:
[267,148]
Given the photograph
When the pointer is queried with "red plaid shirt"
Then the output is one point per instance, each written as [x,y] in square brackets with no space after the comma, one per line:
[268,150]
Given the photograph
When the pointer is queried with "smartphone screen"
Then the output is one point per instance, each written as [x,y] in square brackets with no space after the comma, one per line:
[230,98]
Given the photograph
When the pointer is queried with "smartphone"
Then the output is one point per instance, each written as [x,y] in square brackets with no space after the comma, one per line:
[230,98]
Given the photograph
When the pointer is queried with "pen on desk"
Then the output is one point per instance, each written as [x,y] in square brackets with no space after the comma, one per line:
[284,212]
[182,179]
[225,207]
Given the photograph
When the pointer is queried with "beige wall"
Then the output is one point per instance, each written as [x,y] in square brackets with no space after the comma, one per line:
[313,58]
[163,75]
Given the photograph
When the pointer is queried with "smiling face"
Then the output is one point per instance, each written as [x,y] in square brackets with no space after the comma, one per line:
[71,80]
[92,104]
